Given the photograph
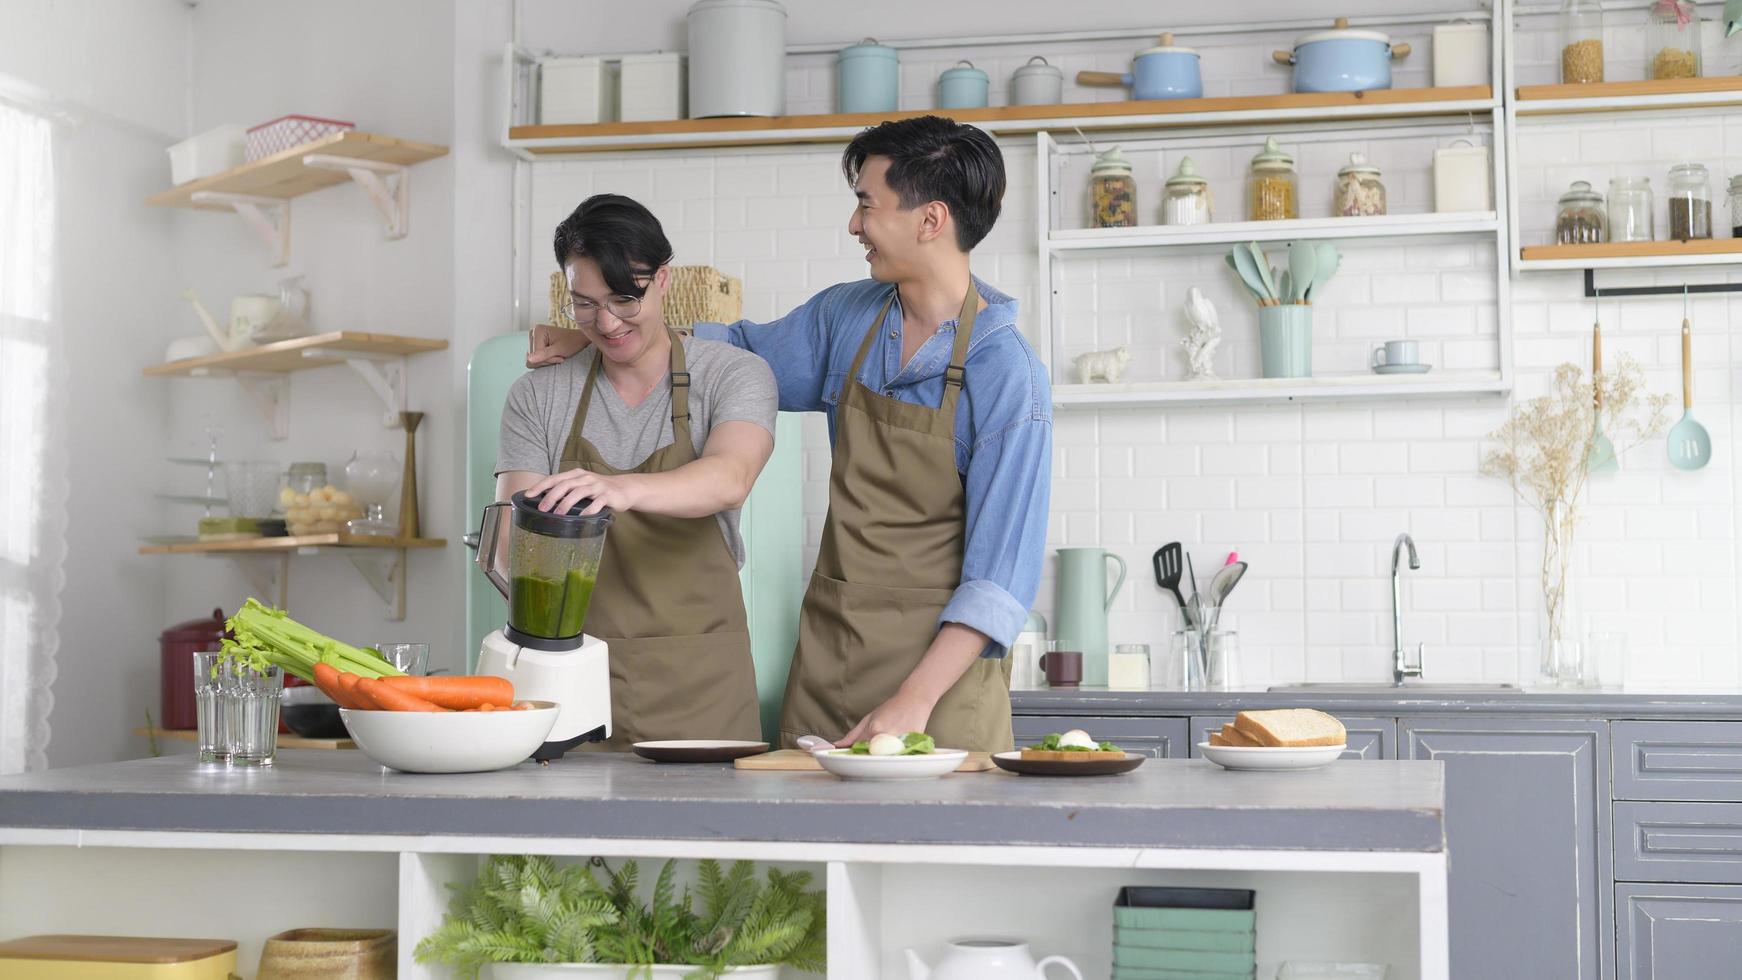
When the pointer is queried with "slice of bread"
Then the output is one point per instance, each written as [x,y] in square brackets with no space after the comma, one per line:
[1047,755]
[1290,727]
[1217,739]
[1234,736]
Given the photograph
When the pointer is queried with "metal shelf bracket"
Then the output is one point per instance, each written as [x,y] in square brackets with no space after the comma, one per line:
[385,572]
[385,376]
[268,216]
[268,574]
[271,394]
[387,184]
[1591,290]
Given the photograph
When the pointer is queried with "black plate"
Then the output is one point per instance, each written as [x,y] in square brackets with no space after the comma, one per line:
[1013,762]
[314,720]
[698,750]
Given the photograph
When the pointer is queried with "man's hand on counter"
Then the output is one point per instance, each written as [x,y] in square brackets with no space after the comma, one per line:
[560,491]
[547,345]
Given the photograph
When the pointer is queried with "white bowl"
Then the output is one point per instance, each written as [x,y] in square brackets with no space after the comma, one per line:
[843,763]
[1261,757]
[450,741]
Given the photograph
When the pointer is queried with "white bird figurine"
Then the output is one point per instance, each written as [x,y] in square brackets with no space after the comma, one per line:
[1205,337]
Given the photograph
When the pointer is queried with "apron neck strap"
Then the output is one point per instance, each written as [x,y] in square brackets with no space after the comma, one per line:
[680,389]
[955,372]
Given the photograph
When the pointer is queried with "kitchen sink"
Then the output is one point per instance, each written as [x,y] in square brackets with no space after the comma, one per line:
[1429,687]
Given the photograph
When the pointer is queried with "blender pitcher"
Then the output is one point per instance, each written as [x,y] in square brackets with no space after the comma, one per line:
[553,563]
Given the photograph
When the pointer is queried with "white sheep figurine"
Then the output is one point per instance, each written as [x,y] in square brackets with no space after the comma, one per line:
[1104,365]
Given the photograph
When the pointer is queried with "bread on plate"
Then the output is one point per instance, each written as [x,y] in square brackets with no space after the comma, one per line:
[1290,728]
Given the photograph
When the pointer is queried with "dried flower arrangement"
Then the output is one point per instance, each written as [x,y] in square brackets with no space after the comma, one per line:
[1544,451]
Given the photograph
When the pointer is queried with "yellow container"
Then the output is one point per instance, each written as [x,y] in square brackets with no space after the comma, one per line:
[116,958]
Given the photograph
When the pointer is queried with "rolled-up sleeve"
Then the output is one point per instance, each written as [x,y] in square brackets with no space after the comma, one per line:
[796,346]
[1008,487]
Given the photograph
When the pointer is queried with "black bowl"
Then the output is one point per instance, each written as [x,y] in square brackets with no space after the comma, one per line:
[311,714]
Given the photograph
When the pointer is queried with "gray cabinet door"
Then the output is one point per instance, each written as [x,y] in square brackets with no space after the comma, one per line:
[1160,738]
[1679,932]
[1684,842]
[1700,761]
[1369,738]
[1527,810]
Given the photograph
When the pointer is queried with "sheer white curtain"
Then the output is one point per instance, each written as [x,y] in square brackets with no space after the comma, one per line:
[33,436]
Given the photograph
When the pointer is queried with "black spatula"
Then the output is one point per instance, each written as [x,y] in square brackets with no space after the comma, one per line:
[1169,566]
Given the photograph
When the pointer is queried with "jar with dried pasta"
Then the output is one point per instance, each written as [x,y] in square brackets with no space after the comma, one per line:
[1359,192]
[1581,42]
[1672,40]
[1112,191]
[1270,185]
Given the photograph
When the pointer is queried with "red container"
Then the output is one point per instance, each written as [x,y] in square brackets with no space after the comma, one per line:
[178,644]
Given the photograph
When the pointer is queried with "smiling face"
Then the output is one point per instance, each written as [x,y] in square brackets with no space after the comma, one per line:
[620,339]
[894,237]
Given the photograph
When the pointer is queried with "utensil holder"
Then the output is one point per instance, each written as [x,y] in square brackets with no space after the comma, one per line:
[1285,340]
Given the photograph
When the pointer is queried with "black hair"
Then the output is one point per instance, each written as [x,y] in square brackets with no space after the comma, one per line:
[936,159]
[620,234]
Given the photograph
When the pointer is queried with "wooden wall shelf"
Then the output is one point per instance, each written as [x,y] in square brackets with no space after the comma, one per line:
[283,175]
[1621,255]
[1673,93]
[318,350]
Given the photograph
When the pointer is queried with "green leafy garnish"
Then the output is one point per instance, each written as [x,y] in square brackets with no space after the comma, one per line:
[913,743]
[1051,744]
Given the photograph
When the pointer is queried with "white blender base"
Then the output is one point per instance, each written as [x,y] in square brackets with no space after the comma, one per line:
[578,680]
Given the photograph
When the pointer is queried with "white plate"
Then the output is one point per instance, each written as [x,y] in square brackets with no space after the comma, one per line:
[1258,757]
[450,741]
[846,765]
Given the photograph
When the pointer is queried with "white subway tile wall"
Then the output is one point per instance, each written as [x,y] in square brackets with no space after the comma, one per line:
[1312,496]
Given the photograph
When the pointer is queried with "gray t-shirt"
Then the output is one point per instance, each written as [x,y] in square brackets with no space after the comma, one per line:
[726,385]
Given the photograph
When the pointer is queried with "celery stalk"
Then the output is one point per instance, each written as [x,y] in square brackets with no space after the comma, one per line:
[264,635]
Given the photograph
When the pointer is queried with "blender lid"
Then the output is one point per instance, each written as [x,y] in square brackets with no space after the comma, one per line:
[571,524]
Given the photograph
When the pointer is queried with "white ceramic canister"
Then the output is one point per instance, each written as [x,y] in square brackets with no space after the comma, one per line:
[737,58]
[1037,83]
[1463,178]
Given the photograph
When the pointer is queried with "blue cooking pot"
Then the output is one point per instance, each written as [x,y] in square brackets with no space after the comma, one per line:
[1162,72]
[1342,60]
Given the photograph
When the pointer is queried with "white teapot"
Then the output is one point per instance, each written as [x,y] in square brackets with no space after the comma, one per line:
[986,959]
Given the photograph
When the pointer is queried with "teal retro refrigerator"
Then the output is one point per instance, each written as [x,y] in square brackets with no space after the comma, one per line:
[772,524]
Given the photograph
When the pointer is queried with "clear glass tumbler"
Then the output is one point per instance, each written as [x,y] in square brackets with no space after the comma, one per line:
[1185,662]
[412,658]
[1222,660]
[209,677]
[250,707]
[1606,657]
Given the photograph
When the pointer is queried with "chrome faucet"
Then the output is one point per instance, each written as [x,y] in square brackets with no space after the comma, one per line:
[1401,668]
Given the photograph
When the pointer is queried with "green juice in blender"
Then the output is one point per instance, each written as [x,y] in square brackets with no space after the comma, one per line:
[551,607]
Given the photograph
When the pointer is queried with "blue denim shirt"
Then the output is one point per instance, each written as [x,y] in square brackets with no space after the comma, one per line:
[1003,426]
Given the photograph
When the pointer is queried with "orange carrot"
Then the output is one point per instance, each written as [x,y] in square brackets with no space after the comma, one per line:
[326,677]
[348,684]
[468,691]
[392,698]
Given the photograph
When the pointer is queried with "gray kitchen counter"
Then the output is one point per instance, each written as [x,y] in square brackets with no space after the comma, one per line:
[1703,705]
[1371,806]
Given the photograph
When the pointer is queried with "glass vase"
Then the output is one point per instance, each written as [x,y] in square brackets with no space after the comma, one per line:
[1562,661]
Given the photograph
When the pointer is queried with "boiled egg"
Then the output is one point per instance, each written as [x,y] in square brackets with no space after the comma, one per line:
[886,745]
[1075,738]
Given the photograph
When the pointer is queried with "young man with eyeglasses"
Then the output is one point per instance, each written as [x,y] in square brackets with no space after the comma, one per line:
[670,434]
[941,420]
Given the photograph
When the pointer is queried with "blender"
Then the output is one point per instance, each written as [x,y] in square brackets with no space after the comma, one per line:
[553,563]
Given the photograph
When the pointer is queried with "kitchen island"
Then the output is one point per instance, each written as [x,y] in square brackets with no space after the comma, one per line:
[1348,861]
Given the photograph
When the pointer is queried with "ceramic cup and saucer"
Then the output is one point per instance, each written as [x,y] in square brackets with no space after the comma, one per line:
[1399,357]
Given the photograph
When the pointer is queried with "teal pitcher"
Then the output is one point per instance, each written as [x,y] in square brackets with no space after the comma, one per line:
[1083,601]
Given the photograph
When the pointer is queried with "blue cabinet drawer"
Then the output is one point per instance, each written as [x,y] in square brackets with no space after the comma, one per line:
[1686,842]
[1699,761]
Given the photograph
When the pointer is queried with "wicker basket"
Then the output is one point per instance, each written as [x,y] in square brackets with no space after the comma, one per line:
[698,293]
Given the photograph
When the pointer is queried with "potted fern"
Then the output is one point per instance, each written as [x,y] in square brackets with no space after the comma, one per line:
[525,918]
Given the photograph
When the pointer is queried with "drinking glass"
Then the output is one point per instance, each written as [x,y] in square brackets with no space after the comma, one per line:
[1606,657]
[1222,660]
[1185,661]
[1128,667]
[251,699]
[412,658]
[209,678]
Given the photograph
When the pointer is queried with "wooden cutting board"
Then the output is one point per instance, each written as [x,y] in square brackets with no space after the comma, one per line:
[798,760]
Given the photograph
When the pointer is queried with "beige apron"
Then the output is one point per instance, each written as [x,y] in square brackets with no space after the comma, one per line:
[668,603]
[891,559]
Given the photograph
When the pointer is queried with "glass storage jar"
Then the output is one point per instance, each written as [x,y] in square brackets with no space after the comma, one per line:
[1581,41]
[1359,191]
[1690,202]
[1672,40]
[1270,185]
[1580,220]
[1630,207]
[1186,197]
[1112,190]
[1736,206]
[306,477]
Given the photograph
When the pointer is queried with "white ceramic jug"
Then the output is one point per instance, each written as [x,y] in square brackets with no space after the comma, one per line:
[986,959]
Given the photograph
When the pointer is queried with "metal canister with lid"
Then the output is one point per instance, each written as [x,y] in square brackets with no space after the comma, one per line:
[1186,197]
[963,87]
[1037,83]
[1271,191]
[1359,191]
[1112,191]
[1581,220]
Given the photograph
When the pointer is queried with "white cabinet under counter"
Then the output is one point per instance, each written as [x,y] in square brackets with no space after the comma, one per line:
[332,839]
